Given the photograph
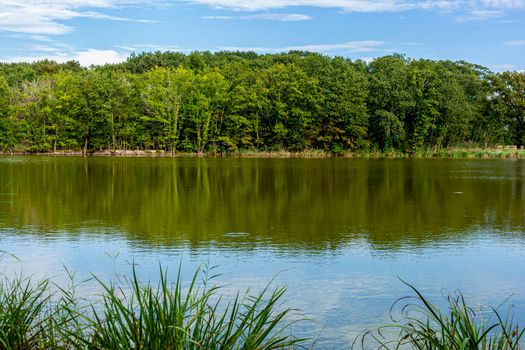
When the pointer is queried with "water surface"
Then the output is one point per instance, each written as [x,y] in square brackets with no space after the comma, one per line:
[337,232]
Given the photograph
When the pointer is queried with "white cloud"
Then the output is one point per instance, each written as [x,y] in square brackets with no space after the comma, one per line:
[31,37]
[349,47]
[152,47]
[466,9]
[41,48]
[99,57]
[44,17]
[85,57]
[345,5]
[367,59]
[278,17]
[505,67]
[504,3]
[224,18]
[480,15]
[515,43]
[97,15]
[49,17]
[267,16]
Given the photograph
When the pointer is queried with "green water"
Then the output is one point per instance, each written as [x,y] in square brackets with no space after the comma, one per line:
[337,231]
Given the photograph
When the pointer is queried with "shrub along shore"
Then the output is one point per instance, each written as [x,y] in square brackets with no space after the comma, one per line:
[502,152]
[129,314]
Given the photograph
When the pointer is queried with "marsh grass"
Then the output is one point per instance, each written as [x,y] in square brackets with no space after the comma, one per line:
[424,326]
[194,314]
[133,315]
[22,309]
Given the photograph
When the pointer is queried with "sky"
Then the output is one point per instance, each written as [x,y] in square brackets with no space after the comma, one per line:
[486,32]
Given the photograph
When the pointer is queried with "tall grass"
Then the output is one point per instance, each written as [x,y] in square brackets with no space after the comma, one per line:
[129,314]
[133,315]
[22,309]
[424,326]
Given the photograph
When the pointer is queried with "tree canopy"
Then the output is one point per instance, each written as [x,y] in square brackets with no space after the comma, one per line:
[230,101]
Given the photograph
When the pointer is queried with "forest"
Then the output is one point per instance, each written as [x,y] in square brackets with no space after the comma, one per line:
[227,102]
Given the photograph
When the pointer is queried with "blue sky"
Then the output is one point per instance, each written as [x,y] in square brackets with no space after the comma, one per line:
[487,32]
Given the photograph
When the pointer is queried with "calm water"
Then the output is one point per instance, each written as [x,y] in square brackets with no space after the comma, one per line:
[337,232]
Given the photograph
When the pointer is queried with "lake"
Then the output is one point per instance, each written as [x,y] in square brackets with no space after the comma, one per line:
[338,232]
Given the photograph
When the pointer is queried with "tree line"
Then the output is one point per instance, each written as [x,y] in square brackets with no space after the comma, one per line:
[232,101]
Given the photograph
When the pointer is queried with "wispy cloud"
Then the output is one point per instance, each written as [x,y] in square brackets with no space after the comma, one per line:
[480,15]
[98,15]
[40,48]
[62,52]
[515,43]
[504,3]
[464,10]
[28,37]
[84,57]
[348,47]
[52,17]
[265,16]
[507,67]
[37,48]
[152,47]
[45,17]
[504,67]
[221,18]
[346,5]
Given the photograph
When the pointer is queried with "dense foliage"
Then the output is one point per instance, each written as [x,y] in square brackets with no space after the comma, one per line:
[231,101]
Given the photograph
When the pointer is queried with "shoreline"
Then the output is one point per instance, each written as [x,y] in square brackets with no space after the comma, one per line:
[458,153]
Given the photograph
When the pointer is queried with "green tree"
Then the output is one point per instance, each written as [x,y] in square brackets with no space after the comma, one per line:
[389,101]
[7,137]
[423,111]
[204,109]
[247,104]
[162,94]
[507,101]
[293,98]
[342,118]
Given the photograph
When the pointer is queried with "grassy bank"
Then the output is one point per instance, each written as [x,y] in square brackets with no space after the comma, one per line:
[502,152]
[175,315]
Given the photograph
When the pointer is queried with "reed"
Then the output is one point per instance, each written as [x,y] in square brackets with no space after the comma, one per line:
[22,313]
[424,326]
[195,315]
[166,316]
[132,315]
